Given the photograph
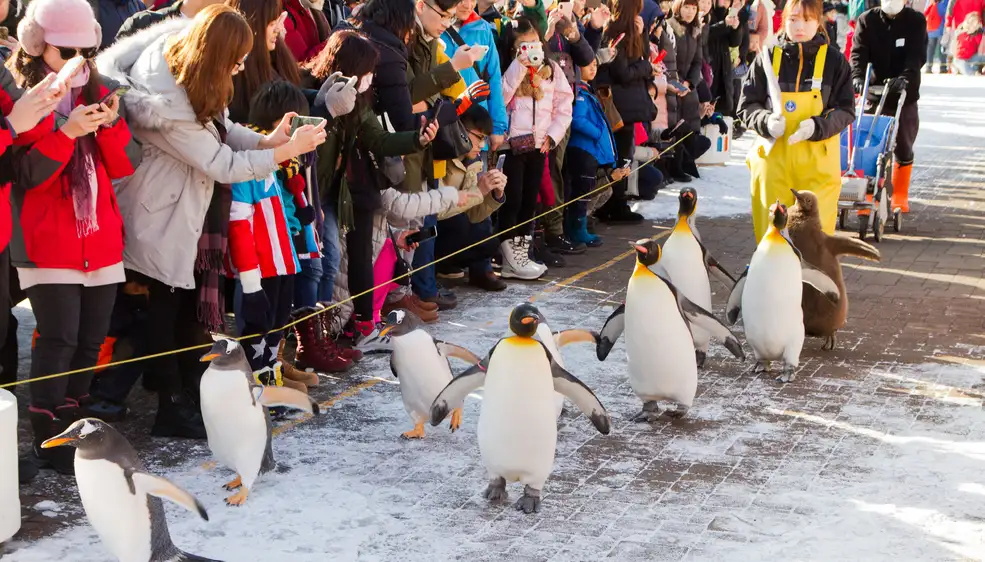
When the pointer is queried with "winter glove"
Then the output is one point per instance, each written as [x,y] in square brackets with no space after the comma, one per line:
[255,306]
[804,131]
[338,97]
[776,125]
[305,215]
[477,92]
[605,55]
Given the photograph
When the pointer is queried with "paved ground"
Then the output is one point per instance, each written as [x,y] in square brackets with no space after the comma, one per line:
[874,453]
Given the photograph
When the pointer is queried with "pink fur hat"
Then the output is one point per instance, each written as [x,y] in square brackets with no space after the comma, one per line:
[62,23]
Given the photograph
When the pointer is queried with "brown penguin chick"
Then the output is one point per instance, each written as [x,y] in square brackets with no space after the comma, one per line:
[822,318]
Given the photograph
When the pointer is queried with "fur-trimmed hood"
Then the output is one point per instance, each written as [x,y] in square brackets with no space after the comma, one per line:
[155,99]
[678,27]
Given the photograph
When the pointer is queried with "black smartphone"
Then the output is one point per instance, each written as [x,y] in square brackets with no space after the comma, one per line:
[119,90]
[678,86]
[422,235]
[434,112]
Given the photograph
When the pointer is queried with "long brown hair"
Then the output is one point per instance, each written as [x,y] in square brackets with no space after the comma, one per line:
[203,58]
[623,20]
[262,66]
[28,71]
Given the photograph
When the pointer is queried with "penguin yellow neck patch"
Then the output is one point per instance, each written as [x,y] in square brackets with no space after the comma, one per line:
[520,340]
[682,226]
[641,270]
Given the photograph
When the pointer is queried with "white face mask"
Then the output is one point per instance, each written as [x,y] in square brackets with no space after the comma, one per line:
[364,83]
[893,7]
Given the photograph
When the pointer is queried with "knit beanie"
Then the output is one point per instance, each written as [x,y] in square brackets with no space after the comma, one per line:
[61,23]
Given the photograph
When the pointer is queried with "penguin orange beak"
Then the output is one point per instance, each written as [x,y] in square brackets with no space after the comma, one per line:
[527,320]
[57,442]
[386,330]
[641,249]
[208,357]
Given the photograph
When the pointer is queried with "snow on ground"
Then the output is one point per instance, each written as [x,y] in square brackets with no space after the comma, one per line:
[745,477]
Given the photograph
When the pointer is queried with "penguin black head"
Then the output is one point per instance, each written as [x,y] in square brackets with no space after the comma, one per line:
[778,215]
[84,433]
[400,322]
[225,352]
[806,205]
[647,251]
[688,200]
[524,320]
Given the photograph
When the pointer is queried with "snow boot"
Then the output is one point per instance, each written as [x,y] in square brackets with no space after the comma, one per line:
[45,425]
[312,352]
[292,373]
[330,344]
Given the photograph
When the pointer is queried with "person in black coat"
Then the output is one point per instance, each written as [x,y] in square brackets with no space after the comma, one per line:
[724,33]
[893,38]
[146,18]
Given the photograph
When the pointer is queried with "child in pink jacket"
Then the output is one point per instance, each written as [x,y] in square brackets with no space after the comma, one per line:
[539,104]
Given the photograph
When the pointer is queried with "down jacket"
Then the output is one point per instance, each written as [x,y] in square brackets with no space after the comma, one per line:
[553,111]
[164,203]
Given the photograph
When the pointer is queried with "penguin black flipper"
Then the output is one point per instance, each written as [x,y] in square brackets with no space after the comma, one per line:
[186,557]
[694,314]
[165,489]
[446,350]
[582,396]
[734,305]
[613,328]
[565,337]
[819,280]
[715,268]
[454,393]
[393,369]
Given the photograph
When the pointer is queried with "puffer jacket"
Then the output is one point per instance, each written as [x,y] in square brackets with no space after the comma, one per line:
[553,111]
[668,42]
[466,178]
[302,35]
[590,130]
[798,61]
[628,80]
[721,38]
[477,31]
[689,59]
[168,196]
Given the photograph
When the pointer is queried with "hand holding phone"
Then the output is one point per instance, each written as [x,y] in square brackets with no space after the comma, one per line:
[566,8]
[421,235]
[500,161]
[119,91]
[299,121]
[68,71]
[618,40]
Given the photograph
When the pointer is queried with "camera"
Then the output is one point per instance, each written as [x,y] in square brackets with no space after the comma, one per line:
[534,52]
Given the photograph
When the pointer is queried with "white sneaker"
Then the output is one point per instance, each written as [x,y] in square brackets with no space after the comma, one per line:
[516,260]
[373,343]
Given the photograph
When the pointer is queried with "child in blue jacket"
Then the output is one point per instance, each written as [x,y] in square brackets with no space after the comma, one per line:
[590,147]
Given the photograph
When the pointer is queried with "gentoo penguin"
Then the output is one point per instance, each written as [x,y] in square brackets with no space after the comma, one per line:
[234,408]
[421,364]
[686,262]
[657,319]
[768,295]
[822,318]
[120,498]
[517,427]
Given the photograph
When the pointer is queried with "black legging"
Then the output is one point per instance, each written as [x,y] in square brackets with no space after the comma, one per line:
[625,147]
[359,246]
[524,173]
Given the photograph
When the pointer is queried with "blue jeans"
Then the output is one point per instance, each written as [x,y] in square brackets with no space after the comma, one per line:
[934,52]
[425,281]
[316,282]
[969,67]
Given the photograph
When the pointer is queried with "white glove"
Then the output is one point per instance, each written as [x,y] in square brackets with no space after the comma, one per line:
[339,97]
[776,124]
[605,55]
[804,131]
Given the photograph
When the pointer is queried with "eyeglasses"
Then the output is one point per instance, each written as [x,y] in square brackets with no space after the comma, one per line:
[479,137]
[241,65]
[70,52]
[445,16]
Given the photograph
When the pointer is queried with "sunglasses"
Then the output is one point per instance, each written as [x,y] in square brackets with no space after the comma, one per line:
[70,52]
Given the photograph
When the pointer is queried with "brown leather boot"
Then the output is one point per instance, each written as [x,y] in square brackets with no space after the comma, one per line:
[312,352]
[291,373]
[331,346]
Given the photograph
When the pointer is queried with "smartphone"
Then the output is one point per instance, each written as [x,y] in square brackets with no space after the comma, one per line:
[481,49]
[625,162]
[422,235]
[351,80]
[618,39]
[434,112]
[300,121]
[67,72]
[119,90]
[733,12]
[500,162]
[677,85]
[565,8]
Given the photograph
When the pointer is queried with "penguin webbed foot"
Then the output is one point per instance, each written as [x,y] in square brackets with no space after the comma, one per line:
[416,433]
[829,343]
[530,502]
[496,491]
[649,414]
[234,484]
[456,420]
[789,374]
[239,498]
[761,367]
[677,413]
[699,358]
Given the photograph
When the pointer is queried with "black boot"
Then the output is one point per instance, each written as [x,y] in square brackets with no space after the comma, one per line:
[177,417]
[542,254]
[27,470]
[45,425]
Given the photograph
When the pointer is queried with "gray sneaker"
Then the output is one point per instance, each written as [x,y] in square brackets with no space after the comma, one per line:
[373,343]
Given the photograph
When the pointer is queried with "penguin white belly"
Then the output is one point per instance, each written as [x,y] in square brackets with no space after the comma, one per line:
[236,427]
[659,347]
[121,519]
[545,336]
[517,426]
[771,303]
[683,260]
[422,372]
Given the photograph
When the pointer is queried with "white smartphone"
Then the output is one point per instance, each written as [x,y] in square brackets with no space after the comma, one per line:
[565,8]
[481,49]
[500,162]
[67,72]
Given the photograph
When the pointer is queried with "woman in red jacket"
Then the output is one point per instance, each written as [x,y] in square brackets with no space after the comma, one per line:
[67,240]
[307,28]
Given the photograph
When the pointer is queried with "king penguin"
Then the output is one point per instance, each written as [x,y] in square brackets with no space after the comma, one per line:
[768,296]
[234,408]
[517,428]
[686,262]
[121,499]
[657,319]
[823,318]
[421,365]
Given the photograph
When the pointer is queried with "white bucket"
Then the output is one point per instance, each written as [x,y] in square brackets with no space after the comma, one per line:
[721,145]
[10,504]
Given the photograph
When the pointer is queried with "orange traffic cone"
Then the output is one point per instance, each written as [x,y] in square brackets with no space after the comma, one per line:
[901,186]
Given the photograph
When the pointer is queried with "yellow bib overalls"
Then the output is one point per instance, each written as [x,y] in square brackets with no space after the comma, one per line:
[812,166]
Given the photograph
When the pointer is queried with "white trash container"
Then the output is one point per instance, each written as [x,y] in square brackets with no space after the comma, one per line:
[721,145]
[10,504]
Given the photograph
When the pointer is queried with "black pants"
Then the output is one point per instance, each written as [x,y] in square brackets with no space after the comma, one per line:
[280,296]
[906,133]
[458,232]
[625,147]
[524,173]
[72,322]
[359,246]
[580,169]
[171,324]
[127,326]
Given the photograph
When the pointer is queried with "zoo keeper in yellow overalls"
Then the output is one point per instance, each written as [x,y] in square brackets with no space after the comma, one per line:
[816,103]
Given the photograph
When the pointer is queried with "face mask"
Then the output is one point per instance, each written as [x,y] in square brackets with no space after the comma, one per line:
[364,83]
[893,7]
